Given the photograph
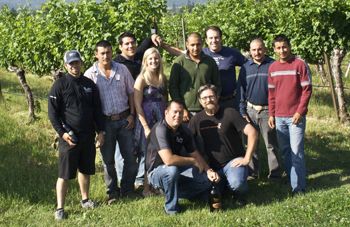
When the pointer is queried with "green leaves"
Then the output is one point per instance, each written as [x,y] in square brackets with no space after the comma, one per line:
[314,26]
[37,40]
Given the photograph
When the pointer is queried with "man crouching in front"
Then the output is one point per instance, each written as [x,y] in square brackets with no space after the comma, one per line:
[177,175]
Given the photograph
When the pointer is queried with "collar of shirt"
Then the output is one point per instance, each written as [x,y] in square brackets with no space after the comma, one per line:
[202,56]
[267,59]
[97,71]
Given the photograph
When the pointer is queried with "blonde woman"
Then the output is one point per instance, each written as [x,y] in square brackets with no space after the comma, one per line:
[150,96]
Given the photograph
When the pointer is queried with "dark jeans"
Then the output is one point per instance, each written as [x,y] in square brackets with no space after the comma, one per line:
[116,131]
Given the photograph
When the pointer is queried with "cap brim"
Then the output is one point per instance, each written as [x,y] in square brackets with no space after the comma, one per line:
[73,59]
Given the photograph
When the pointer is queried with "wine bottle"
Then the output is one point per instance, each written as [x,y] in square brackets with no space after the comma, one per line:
[70,133]
[154,27]
[214,198]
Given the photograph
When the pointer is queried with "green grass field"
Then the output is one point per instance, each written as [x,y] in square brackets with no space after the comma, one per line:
[28,172]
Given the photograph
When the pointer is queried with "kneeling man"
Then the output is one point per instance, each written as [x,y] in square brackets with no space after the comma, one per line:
[178,176]
[218,132]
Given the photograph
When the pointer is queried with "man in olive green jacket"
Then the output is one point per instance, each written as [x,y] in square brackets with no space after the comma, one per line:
[190,71]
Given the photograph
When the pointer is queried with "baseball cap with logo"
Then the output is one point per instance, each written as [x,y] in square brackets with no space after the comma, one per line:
[72,55]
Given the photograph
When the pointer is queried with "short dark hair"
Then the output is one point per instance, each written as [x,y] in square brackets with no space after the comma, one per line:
[214,28]
[177,101]
[194,34]
[281,38]
[125,34]
[103,43]
[207,87]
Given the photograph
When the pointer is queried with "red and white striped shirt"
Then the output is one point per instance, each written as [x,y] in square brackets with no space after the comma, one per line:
[290,87]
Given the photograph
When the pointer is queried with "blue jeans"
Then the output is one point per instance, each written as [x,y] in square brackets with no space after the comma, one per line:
[178,182]
[116,131]
[234,177]
[120,165]
[259,119]
[291,142]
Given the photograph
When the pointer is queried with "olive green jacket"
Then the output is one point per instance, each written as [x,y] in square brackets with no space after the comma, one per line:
[187,76]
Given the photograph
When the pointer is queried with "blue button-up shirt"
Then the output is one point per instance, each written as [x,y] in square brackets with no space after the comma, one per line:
[115,90]
[253,83]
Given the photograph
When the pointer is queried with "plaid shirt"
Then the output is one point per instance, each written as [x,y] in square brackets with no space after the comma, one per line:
[115,91]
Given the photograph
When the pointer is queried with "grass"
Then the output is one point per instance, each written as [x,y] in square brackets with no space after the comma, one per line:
[28,172]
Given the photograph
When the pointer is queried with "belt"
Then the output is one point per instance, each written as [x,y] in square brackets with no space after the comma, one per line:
[257,107]
[121,115]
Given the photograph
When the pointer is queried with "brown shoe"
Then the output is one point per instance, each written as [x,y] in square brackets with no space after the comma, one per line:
[112,198]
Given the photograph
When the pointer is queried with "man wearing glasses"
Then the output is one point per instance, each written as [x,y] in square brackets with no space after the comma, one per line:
[218,130]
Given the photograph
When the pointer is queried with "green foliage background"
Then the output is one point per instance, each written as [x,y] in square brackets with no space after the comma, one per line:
[36,40]
[314,26]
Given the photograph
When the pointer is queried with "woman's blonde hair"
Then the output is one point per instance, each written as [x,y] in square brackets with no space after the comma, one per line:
[146,74]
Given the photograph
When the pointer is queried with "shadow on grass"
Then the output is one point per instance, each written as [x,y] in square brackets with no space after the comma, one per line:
[327,166]
[329,162]
[323,97]
[28,171]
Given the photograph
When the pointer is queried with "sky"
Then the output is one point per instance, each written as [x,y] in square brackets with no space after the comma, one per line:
[36,3]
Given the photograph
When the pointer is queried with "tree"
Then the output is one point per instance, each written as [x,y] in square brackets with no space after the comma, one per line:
[35,41]
[316,27]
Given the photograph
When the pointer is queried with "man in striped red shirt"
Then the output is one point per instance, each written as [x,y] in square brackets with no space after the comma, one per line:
[289,83]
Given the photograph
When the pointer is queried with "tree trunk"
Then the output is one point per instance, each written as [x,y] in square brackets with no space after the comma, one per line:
[336,59]
[331,84]
[347,71]
[1,96]
[57,74]
[321,72]
[28,92]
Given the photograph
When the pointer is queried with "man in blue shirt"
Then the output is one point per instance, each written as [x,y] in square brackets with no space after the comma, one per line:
[226,59]
[254,105]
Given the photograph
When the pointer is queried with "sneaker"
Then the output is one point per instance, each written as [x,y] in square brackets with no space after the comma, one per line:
[60,215]
[112,198]
[239,199]
[138,186]
[88,204]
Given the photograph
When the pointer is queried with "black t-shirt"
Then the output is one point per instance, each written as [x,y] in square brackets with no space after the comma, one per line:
[163,137]
[134,66]
[219,135]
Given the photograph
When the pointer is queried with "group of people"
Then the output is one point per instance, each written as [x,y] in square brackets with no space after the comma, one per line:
[181,147]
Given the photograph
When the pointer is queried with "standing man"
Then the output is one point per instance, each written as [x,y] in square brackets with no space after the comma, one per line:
[131,56]
[178,176]
[290,89]
[189,72]
[74,106]
[116,87]
[254,105]
[218,128]
[226,59]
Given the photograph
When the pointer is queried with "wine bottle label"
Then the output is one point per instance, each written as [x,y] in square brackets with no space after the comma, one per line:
[216,205]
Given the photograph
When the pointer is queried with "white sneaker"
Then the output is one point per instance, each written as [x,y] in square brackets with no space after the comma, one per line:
[60,215]
[88,204]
